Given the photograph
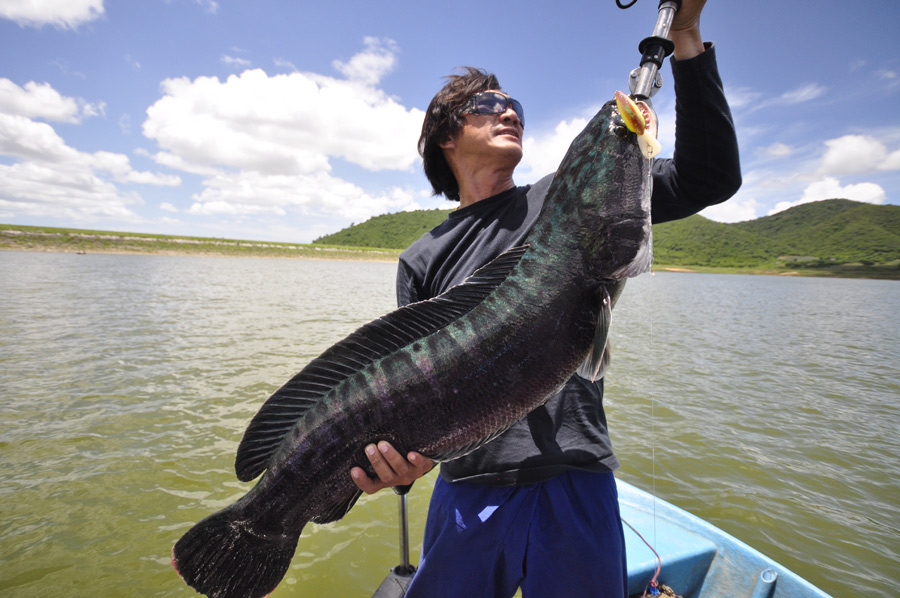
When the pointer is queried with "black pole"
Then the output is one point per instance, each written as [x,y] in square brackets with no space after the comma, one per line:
[404,568]
[653,51]
[395,584]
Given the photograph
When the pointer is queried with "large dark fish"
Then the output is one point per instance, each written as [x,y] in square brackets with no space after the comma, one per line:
[441,377]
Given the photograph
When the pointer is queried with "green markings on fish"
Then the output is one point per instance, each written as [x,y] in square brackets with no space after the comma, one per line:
[441,377]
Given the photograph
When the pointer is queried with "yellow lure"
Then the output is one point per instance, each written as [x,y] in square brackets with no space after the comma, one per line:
[636,123]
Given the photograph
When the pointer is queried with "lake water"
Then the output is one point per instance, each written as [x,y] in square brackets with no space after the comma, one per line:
[767,405]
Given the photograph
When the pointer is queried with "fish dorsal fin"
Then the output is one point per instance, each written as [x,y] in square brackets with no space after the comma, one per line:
[368,344]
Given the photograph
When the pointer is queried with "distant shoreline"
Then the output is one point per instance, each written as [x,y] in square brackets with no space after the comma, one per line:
[84,242]
[75,241]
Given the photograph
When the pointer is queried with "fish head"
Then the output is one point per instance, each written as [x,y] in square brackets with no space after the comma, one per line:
[598,204]
[601,192]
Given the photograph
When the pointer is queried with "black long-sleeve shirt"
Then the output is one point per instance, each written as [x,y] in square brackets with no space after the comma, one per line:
[570,430]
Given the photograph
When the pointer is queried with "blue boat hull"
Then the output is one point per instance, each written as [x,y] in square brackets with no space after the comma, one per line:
[699,560]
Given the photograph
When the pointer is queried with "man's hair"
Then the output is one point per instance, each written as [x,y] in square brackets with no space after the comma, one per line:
[443,120]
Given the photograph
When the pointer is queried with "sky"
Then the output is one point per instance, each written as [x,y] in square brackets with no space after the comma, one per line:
[285,120]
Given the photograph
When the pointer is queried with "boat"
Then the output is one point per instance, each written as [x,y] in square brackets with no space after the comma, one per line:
[697,559]
[685,553]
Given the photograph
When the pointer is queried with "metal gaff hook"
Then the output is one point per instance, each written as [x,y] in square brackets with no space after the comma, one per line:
[645,81]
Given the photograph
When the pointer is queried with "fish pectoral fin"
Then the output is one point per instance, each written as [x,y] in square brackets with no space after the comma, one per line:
[462,451]
[593,370]
[337,509]
[377,339]
[597,360]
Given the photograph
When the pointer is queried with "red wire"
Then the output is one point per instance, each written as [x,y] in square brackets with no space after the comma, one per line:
[656,554]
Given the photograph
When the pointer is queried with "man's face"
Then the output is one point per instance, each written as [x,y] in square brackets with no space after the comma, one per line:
[489,137]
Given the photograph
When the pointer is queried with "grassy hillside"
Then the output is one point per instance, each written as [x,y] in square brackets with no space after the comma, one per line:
[835,236]
[697,241]
[833,231]
[392,231]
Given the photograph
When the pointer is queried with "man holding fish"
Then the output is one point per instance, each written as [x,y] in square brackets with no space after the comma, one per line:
[536,508]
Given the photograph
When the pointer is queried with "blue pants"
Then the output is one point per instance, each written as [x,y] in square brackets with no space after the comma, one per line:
[562,537]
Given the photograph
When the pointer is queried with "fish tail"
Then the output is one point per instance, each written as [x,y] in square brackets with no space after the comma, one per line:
[223,557]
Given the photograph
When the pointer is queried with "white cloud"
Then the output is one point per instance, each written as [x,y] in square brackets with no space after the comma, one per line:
[739,208]
[266,143]
[37,142]
[857,154]
[752,101]
[239,63]
[542,154]
[62,191]
[175,162]
[830,188]
[368,67]
[26,139]
[804,93]
[740,97]
[282,124]
[266,147]
[211,6]
[48,178]
[285,64]
[64,14]
[125,124]
[252,193]
[778,150]
[40,100]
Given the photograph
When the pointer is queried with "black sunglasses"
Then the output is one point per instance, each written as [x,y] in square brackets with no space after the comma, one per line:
[493,102]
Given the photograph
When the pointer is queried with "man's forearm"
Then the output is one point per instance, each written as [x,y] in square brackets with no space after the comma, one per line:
[688,43]
[706,165]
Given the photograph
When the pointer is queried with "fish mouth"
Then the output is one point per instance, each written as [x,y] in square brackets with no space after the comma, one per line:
[640,119]
[638,116]
[649,117]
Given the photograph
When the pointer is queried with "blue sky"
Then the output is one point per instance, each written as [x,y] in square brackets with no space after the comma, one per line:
[285,120]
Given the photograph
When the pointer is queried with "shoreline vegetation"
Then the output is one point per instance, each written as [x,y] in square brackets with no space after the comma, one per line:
[80,241]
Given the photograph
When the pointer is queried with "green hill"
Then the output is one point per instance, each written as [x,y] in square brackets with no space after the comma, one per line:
[840,235]
[698,241]
[834,231]
[830,233]
[391,231]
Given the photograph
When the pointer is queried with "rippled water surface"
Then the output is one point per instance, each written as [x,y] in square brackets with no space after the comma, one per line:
[766,405]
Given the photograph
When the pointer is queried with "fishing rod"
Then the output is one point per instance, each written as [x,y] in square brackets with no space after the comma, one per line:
[645,80]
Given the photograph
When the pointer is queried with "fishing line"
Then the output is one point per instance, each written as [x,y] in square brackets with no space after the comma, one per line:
[653,399]
[651,387]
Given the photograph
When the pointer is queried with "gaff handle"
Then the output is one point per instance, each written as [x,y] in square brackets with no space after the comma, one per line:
[653,51]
